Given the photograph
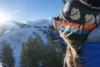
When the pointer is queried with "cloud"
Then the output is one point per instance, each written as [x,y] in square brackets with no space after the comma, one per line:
[14,12]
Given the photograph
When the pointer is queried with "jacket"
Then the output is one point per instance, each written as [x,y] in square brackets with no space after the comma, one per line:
[90,50]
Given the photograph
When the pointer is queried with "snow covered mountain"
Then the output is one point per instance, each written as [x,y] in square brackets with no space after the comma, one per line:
[16,34]
[9,25]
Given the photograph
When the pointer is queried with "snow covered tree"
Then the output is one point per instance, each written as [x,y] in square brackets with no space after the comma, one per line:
[7,55]
[32,52]
[36,54]
[55,54]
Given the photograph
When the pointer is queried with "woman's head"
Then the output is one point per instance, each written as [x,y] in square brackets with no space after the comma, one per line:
[74,23]
[78,18]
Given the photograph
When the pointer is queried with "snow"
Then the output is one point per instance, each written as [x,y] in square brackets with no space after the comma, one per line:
[19,36]
[41,23]
[1,65]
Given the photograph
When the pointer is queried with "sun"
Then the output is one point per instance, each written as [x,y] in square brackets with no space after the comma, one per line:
[4,17]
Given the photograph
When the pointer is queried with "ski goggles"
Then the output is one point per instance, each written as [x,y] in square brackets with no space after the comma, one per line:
[60,25]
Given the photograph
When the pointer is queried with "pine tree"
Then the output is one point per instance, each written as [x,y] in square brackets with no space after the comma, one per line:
[54,56]
[36,54]
[7,55]
[32,52]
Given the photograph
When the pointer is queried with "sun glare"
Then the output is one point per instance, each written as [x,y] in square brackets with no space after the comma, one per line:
[4,17]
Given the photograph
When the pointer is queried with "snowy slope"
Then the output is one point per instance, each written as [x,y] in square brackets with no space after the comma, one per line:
[18,36]
[8,26]
[18,33]
[42,22]
[1,65]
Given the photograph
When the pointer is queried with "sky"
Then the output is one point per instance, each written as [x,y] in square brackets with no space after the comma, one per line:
[30,10]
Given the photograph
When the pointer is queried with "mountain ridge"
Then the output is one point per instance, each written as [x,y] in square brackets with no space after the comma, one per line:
[21,34]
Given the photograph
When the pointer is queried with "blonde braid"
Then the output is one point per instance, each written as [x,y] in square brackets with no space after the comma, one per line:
[71,52]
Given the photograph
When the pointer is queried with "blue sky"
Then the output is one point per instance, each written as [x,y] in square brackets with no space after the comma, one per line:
[24,10]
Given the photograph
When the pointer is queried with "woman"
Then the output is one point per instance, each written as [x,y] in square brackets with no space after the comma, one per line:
[75,22]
